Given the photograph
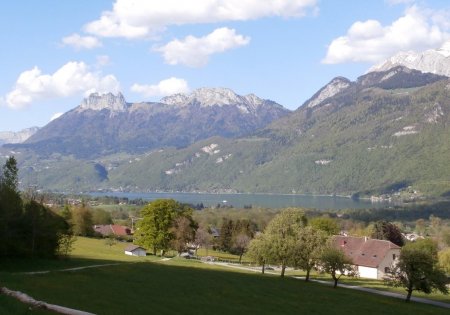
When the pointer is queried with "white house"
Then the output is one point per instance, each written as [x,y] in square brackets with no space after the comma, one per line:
[134,250]
[371,257]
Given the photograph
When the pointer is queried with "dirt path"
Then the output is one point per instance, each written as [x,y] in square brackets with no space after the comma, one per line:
[69,269]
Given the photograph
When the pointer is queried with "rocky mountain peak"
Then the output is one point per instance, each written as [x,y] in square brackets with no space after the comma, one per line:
[17,137]
[335,86]
[97,102]
[206,97]
[436,61]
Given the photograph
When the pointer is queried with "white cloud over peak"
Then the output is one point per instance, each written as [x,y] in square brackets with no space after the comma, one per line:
[195,51]
[144,18]
[370,41]
[72,78]
[163,88]
[81,42]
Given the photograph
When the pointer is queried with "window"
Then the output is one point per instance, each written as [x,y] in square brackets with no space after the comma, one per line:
[387,269]
[393,256]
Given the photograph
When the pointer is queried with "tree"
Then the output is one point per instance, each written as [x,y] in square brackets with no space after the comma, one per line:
[258,250]
[334,261]
[384,230]
[240,244]
[418,269]
[43,230]
[101,216]
[202,239]
[155,229]
[28,229]
[11,208]
[82,221]
[444,260]
[326,224]
[184,232]
[10,176]
[309,246]
[281,235]
[226,235]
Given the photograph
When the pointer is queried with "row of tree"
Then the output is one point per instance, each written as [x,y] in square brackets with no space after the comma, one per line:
[27,227]
[289,240]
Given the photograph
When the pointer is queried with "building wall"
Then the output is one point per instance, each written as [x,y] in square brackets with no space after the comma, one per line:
[387,262]
[136,252]
[367,272]
[139,252]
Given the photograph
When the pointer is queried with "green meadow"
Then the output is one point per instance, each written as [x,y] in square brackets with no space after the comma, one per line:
[178,286]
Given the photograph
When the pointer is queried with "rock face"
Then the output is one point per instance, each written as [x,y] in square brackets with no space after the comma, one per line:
[17,137]
[108,101]
[335,86]
[435,61]
[208,97]
[106,124]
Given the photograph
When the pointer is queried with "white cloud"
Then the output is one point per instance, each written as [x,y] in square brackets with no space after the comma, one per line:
[70,79]
[395,2]
[195,51]
[103,60]
[144,18]
[369,41]
[163,88]
[81,42]
[55,116]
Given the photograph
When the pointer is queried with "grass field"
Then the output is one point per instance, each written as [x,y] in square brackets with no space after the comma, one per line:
[178,286]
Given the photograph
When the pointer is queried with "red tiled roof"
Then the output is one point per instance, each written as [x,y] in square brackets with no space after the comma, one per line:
[364,251]
[111,229]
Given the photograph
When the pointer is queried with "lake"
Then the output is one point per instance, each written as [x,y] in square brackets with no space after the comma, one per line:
[255,200]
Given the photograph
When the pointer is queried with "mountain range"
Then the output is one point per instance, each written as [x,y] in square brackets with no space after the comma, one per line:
[106,124]
[385,133]
[17,137]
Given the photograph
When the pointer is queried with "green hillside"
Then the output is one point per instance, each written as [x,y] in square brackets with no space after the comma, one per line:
[370,138]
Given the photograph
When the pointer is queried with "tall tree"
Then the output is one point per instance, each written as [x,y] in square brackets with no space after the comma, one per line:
[418,269]
[309,247]
[202,239]
[226,235]
[334,261]
[240,244]
[82,221]
[258,251]
[155,231]
[281,233]
[384,230]
[11,208]
[183,231]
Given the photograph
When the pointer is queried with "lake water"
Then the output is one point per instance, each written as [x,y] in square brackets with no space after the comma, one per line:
[256,200]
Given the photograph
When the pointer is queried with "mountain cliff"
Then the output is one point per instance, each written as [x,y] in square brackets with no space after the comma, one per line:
[435,61]
[17,137]
[107,124]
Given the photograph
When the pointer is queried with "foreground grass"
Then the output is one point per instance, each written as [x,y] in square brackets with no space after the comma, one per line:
[147,288]
[180,286]
[376,284]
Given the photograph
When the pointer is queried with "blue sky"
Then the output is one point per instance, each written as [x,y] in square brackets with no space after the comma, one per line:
[56,52]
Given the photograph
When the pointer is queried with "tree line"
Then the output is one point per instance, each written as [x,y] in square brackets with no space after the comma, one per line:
[27,227]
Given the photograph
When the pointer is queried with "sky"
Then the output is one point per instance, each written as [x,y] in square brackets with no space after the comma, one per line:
[55,52]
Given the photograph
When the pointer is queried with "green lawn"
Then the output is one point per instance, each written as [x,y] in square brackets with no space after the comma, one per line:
[179,286]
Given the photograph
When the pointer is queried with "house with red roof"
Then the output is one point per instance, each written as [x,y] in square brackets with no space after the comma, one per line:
[112,230]
[373,258]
